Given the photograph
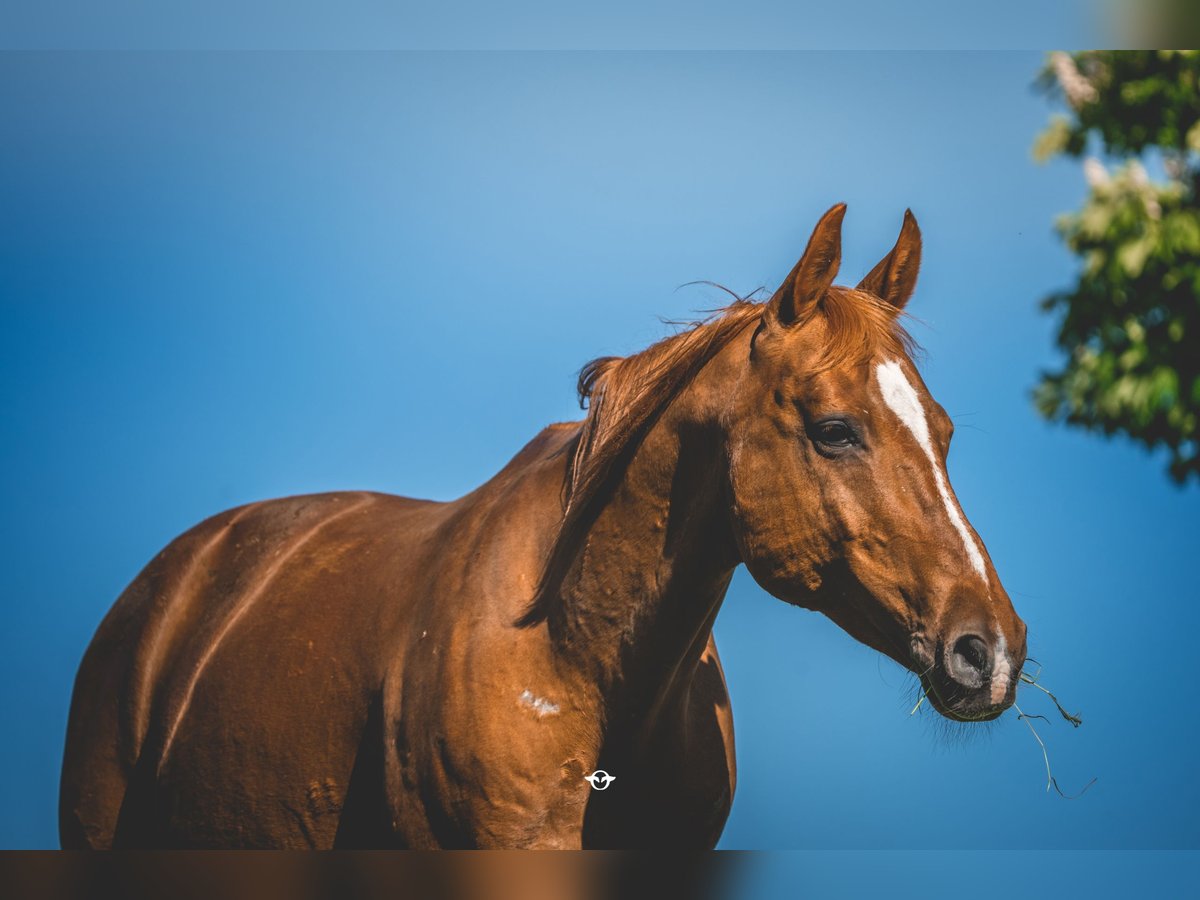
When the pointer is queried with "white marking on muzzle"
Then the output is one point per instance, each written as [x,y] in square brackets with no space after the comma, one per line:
[1001,670]
[901,398]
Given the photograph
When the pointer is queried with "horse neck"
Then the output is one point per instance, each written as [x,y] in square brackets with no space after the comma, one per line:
[650,574]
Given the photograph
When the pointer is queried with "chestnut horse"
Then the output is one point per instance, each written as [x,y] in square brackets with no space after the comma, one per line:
[357,669]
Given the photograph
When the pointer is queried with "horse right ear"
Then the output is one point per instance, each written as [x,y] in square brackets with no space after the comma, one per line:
[814,273]
[894,278]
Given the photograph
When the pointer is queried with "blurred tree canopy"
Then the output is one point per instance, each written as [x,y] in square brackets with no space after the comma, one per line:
[1130,325]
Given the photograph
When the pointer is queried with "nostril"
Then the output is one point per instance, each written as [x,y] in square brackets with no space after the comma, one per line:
[970,660]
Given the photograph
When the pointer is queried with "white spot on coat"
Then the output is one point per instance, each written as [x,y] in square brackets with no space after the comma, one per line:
[539,705]
[901,398]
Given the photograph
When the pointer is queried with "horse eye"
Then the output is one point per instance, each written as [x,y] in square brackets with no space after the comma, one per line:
[835,434]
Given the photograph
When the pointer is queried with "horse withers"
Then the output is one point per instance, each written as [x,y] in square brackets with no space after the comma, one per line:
[363,670]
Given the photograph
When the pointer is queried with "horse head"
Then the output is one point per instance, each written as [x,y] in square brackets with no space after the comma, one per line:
[841,501]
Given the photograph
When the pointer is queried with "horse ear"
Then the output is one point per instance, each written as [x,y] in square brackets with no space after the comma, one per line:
[813,275]
[895,277]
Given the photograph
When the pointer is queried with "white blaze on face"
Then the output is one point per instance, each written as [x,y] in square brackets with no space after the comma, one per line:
[902,399]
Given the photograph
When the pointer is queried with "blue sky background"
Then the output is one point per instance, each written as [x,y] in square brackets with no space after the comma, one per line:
[749,26]
[227,277]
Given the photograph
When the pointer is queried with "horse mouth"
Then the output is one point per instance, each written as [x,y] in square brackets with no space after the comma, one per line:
[967,708]
[965,676]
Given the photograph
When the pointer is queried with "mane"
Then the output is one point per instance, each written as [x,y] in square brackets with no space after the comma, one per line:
[624,397]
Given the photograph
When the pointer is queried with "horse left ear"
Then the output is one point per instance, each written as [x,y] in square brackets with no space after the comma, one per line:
[895,277]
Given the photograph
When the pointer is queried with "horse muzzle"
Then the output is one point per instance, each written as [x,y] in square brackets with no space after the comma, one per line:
[973,677]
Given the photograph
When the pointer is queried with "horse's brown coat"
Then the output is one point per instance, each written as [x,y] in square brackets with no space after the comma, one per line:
[357,669]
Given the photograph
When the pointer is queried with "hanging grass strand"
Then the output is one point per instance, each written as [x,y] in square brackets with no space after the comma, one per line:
[1051,781]
[1075,720]
[1024,678]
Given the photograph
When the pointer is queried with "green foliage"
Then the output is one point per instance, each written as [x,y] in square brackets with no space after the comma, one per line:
[1130,325]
